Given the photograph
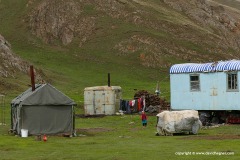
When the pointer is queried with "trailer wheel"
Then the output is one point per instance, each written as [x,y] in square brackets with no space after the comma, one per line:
[204,118]
[215,120]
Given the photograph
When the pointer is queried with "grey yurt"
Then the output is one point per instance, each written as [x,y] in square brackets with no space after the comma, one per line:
[102,100]
[42,110]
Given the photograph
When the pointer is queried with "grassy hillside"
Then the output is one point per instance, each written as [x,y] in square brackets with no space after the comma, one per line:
[136,41]
[71,68]
[231,3]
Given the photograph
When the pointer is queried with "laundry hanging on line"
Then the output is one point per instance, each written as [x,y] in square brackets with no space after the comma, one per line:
[132,106]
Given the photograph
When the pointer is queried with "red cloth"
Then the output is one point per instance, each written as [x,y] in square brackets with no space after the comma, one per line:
[130,103]
[144,117]
[139,104]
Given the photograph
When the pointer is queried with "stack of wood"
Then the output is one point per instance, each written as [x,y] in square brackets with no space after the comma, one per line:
[153,100]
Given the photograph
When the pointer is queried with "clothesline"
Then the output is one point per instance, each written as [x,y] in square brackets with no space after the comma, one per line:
[132,106]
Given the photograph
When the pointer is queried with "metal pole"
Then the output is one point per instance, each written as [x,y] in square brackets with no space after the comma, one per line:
[2,107]
[157,89]
[109,80]
[32,78]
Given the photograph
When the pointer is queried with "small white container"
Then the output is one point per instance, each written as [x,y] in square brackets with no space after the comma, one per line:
[24,132]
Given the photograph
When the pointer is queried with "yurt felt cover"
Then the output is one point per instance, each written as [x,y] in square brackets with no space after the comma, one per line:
[43,111]
[46,119]
[44,94]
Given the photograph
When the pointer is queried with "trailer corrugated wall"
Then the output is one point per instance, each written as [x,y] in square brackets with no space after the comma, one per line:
[216,86]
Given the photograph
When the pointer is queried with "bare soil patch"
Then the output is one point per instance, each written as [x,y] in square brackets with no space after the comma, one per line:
[92,130]
[214,137]
[89,116]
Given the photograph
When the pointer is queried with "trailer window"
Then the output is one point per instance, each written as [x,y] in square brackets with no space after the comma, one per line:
[194,83]
[232,82]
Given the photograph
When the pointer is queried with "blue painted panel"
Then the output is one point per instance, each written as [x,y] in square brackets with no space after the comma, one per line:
[213,94]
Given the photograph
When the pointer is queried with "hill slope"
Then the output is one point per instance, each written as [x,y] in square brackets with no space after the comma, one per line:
[76,43]
[190,31]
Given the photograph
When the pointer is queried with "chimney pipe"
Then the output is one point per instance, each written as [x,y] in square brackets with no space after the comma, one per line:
[109,80]
[32,78]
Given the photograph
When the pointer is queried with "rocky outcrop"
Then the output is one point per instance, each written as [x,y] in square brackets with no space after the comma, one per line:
[61,20]
[219,19]
[77,20]
[182,30]
[10,63]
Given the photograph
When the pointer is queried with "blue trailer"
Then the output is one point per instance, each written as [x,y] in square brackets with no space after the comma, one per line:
[211,88]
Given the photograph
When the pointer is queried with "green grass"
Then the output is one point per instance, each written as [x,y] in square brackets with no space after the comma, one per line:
[71,69]
[122,138]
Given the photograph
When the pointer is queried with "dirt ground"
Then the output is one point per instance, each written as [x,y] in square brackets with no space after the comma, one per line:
[92,130]
[214,137]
